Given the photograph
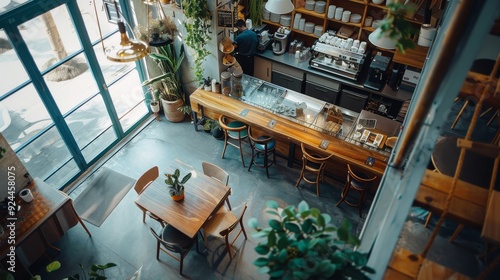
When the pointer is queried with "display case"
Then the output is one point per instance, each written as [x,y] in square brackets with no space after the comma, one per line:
[308,111]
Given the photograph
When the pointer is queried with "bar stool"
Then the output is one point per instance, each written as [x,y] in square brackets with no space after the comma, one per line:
[235,130]
[312,164]
[358,182]
[262,145]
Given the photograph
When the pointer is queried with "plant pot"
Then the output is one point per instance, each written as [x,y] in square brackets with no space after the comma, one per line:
[178,197]
[207,88]
[155,106]
[171,110]
[217,133]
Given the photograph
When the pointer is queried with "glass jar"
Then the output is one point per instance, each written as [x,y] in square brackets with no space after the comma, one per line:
[225,78]
[237,87]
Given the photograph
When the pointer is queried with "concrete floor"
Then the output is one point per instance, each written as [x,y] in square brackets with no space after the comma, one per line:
[126,241]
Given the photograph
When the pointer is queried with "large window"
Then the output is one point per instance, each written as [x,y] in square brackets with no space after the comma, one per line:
[62,103]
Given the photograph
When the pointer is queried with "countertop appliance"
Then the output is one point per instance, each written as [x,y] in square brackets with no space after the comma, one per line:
[337,60]
[377,73]
[265,39]
[281,39]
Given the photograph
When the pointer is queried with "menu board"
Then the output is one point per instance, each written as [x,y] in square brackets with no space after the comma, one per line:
[371,138]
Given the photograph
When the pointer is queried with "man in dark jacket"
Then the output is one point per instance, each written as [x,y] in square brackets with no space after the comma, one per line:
[246,43]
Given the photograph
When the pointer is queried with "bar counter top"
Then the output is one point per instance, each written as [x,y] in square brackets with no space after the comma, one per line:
[286,131]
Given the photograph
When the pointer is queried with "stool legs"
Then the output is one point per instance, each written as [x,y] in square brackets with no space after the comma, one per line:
[345,192]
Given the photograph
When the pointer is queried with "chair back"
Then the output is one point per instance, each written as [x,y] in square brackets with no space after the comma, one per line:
[258,140]
[357,180]
[215,172]
[313,162]
[170,246]
[240,130]
[146,179]
[225,232]
[391,141]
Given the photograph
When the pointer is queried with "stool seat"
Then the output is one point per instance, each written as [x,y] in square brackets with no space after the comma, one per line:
[358,182]
[236,134]
[262,145]
[314,165]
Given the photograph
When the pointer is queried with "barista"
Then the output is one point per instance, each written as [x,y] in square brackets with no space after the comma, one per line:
[246,43]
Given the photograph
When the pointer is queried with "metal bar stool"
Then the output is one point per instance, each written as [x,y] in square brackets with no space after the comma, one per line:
[312,164]
[262,145]
[358,182]
[233,130]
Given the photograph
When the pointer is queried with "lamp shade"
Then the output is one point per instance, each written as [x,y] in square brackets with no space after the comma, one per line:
[279,6]
[382,40]
[129,50]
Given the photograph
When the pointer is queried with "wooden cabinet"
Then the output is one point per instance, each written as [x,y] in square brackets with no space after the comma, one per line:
[262,69]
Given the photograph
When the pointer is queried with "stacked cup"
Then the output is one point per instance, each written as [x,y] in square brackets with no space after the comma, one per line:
[331,11]
[338,13]
[346,16]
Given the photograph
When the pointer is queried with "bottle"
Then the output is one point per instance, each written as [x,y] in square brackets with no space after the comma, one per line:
[225,78]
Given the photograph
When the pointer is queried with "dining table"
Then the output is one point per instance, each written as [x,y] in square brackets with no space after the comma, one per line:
[203,196]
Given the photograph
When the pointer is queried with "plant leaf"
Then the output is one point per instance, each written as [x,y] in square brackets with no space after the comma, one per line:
[253,223]
[272,204]
[262,249]
[261,262]
[293,227]
[55,265]
[264,269]
[303,206]
[275,224]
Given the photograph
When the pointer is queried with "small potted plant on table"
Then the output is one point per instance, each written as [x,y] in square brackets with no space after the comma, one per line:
[176,187]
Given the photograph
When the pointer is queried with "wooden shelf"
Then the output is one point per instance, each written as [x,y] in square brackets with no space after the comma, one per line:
[412,57]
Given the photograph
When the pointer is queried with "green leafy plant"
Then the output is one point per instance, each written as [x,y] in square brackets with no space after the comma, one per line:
[176,186]
[96,271]
[397,27]
[255,11]
[198,27]
[302,244]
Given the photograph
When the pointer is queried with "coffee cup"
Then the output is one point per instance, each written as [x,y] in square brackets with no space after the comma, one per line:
[26,195]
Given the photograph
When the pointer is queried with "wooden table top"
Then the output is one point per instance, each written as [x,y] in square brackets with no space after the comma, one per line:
[46,201]
[203,196]
[295,132]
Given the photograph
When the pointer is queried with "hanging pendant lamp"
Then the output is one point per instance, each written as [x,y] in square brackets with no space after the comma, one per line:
[382,40]
[129,49]
[279,6]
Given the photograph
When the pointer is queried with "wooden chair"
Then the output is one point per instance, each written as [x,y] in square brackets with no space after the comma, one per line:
[141,184]
[76,214]
[357,182]
[222,224]
[312,164]
[262,145]
[235,130]
[218,174]
[391,141]
[171,241]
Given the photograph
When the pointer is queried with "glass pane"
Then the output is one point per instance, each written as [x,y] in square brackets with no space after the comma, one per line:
[127,95]
[64,174]
[89,17]
[10,64]
[88,121]
[70,92]
[22,116]
[99,144]
[45,154]
[111,70]
[7,5]
[50,37]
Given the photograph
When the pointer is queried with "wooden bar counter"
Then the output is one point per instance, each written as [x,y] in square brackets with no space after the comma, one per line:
[289,134]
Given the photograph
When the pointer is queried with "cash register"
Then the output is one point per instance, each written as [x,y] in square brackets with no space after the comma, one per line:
[377,73]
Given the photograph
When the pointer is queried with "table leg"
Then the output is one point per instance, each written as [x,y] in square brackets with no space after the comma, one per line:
[291,155]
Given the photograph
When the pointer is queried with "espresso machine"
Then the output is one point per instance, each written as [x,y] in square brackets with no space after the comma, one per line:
[281,40]
[337,61]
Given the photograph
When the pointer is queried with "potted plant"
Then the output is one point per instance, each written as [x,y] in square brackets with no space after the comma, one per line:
[198,27]
[176,187]
[207,84]
[216,130]
[396,27]
[168,83]
[302,244]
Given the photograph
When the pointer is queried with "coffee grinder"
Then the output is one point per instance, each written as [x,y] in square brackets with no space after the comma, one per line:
[377,73]
[281,39]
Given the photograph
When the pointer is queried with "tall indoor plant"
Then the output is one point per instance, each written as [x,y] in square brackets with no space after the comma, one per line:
[168,83]
[302,244]
[198,28]
[397,27]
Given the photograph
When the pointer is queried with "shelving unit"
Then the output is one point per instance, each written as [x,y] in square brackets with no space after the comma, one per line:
[364,8]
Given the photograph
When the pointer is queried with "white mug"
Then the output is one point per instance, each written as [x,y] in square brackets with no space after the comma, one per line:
[26,195]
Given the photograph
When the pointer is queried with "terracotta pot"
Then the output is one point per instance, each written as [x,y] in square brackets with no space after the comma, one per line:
[178,197]
[171,110]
